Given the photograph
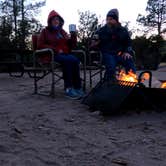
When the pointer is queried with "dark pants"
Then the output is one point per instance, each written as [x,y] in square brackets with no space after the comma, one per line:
[71,70]
[111,61]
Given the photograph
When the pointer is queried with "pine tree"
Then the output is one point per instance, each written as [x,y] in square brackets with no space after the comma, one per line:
[88,24]
[156,15]
[21,14]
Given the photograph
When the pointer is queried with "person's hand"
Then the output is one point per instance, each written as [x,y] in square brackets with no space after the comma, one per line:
[74,33]
[126,56]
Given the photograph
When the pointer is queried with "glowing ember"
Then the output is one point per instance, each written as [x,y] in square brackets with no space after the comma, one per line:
[130,77]
[163,85]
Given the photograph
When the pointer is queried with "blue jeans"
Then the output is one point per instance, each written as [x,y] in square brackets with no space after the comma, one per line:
[111,61]
[71,70]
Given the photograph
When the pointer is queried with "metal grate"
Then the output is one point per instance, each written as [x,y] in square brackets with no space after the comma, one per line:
[127,83]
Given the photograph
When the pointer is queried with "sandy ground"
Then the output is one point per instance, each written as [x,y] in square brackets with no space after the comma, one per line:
[40,131]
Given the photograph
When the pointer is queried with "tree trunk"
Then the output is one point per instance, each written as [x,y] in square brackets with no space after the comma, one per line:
[23,45]
[15,18]
[159,28]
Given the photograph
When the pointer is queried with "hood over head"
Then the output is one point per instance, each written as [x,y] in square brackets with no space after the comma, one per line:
[53,14]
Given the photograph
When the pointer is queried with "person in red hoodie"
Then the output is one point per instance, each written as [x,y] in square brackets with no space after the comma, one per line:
[54,37]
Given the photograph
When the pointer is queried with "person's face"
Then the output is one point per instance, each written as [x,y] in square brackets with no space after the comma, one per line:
[111,22]
[55,21]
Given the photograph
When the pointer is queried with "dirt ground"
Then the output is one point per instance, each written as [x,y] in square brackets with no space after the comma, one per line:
[41,131]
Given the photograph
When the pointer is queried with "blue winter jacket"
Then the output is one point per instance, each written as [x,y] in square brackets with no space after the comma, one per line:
[115,40]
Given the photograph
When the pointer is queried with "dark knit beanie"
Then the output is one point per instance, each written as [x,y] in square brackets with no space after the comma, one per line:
[114,13]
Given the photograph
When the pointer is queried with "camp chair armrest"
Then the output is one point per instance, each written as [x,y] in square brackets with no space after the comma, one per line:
[41,51]
[45,50]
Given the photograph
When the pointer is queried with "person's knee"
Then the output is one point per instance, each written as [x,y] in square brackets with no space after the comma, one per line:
[73,59]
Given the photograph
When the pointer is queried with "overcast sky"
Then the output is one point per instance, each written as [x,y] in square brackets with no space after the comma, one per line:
[68,9]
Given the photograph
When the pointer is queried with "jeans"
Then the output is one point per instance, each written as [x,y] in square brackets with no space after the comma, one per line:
[111,61]
[71,70]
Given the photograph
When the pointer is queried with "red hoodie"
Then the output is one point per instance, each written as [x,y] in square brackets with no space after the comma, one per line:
[48,37]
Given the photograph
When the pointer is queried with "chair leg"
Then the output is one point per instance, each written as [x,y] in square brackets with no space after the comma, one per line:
[90,78]
[35,75]
[84,81]
[35,84]
[52,93]
[101,74]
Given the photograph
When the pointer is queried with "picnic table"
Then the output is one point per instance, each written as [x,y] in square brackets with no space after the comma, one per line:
[16,61]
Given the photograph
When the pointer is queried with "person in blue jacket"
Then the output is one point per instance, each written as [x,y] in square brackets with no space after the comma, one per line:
[114,42]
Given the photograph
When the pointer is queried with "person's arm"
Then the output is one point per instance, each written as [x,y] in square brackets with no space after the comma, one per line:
[128,51]
[72,41]
[41,43]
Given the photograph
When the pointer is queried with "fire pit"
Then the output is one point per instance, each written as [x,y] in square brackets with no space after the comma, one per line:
[127,93]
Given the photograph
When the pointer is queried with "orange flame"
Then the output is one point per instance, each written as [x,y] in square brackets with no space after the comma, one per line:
[163,85]
[130,77]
